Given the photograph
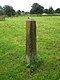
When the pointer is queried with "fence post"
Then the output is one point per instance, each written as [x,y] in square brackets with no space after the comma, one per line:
[30,41]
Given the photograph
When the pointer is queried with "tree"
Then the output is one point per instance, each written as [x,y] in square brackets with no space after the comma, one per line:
[46,11]
[1,10]
[8,10]
[27,13]
[22,12]
[57,10]
[13,12]
[51,11]
[36,9]
[18,12]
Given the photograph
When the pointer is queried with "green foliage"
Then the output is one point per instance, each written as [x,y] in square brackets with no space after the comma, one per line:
[1,11]
[46,11]
[8,10]
[36,9]
[18,13]
[57,10]
[51,11]
[2,17]
[13,44]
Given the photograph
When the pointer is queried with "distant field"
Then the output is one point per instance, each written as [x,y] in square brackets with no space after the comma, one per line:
[13,45]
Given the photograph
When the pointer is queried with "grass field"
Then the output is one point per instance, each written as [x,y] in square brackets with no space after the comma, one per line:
[13,45]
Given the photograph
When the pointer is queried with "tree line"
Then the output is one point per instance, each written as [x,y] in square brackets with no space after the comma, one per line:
[9,11]
[35,9]
[38,9]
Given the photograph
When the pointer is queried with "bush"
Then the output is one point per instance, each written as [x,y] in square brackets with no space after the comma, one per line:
[2,17]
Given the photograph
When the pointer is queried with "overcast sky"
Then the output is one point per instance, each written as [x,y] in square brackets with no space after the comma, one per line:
[26,4]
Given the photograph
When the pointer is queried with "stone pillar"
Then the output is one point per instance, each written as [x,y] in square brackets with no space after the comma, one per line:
[30,41]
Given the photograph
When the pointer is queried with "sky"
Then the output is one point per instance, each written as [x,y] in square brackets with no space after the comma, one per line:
[26,4]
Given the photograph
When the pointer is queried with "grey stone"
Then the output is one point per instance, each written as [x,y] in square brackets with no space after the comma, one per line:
[30,41]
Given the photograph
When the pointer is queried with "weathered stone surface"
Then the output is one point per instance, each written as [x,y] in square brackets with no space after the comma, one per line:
[30,41]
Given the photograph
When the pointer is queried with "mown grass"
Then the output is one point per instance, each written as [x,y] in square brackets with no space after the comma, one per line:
[13,45]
